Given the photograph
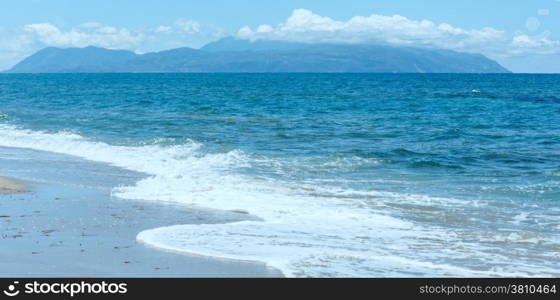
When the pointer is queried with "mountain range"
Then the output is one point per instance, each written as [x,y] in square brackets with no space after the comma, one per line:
[234,55]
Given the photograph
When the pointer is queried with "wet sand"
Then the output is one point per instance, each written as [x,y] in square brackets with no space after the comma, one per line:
[69,225]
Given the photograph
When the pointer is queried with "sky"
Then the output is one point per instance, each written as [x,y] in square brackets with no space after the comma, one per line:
[522,35]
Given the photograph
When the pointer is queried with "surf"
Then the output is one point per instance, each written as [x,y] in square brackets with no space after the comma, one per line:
[303,229]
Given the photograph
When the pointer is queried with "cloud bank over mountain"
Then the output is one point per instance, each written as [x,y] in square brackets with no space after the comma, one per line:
[17,43]
[301,26]
[84,35]
[305,26]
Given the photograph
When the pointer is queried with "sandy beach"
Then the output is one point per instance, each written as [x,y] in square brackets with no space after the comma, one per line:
[69,225]
[8,186]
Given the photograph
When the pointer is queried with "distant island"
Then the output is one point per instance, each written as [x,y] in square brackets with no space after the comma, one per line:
[234,55]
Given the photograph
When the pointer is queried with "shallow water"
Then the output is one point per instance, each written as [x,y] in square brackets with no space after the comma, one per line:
[351,174]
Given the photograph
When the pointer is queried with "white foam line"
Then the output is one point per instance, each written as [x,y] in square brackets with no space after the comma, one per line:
[307,230]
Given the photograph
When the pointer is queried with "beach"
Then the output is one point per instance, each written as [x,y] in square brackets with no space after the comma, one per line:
[58,219]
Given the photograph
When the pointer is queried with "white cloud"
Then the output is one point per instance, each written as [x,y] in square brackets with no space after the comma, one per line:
[265,29]
[163,29]
[305,26]
[179,34]
[102,36]
[18,42]
[193,28]
[188,26]
[98,34]
[523,44]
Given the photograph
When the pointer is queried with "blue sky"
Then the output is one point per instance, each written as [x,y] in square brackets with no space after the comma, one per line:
[522,35]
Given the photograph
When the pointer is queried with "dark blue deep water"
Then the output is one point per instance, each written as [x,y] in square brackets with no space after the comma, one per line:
[352,174]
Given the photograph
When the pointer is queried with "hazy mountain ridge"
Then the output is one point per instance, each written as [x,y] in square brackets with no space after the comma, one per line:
[231,55]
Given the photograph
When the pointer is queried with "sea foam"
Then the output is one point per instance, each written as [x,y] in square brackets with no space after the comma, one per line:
[305,230]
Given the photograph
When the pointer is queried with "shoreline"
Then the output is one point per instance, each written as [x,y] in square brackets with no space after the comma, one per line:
[12,186]
[69,225]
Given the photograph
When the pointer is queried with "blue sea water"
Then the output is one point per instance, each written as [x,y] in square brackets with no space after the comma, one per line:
[351,174]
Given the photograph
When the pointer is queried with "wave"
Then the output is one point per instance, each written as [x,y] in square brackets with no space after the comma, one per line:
[306,230]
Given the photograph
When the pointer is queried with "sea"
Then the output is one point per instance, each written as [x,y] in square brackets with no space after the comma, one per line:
[340,175]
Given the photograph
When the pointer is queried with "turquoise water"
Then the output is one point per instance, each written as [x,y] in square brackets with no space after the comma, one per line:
[352,174]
